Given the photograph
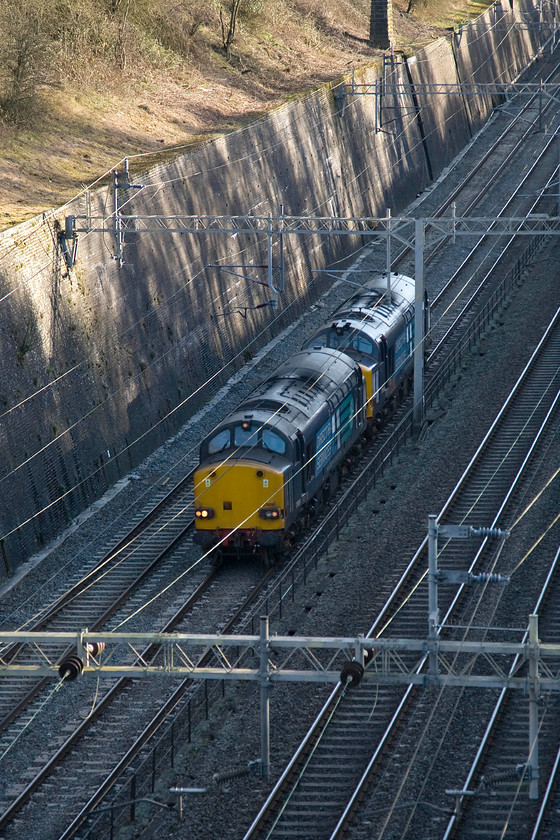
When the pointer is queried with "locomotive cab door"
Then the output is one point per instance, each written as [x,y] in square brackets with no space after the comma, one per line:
[297,471]
[382,351]
[375,386]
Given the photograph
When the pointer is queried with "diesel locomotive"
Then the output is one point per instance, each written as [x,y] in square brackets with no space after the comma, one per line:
[268,466]
[377,330]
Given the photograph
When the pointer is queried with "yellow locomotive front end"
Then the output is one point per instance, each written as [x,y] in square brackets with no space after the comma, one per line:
[239,505]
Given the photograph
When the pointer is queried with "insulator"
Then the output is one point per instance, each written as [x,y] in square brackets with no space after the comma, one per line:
[352,673]
[511,775]
[95,648]
[71,667]
[230,774]
[489,532]
[490,577]
[369,653]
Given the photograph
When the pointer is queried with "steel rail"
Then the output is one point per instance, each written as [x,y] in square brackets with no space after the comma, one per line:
[396,598]
[97,799]
[115,556]
[389,442]
[493,723]
[125,538]
[146,735]
[483,284]
[527,372]
[137,530]
[496,172]
[104,789]
[447,618]
[78,733]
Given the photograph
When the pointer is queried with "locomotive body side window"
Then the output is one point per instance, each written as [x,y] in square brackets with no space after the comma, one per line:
[410,337]
[401,350]
[346,417]
[219,442]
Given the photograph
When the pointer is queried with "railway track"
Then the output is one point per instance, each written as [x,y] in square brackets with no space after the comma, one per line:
[91,601]
[141,552]
[518,139]
[499,777]
[315,796]
[215,602]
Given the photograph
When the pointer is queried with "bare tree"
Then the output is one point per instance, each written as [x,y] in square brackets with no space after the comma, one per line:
[120,50]
[228,36]
[23,57]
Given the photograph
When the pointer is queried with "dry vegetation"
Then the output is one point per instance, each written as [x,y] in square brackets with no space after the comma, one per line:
[84,84]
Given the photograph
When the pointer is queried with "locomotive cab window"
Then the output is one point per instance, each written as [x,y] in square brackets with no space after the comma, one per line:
[220,441]
[250,434]
[245,434]
[273,442]
[350,340]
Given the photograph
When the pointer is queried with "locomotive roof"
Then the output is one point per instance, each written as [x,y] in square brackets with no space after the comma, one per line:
[373,303]
[370,313]
[300,386]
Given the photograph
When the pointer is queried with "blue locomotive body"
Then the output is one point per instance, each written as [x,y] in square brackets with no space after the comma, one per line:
[279,453]
[376,328]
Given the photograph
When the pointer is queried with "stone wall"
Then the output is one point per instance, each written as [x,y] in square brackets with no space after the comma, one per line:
[103,361]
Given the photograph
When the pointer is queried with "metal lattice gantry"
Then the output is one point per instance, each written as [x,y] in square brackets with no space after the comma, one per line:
[404,91]
[300,662]
[397,662]
[266,659]
[376,228]
[404,230]
[280,659]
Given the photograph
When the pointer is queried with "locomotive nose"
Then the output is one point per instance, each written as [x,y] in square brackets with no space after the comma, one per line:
[240,497]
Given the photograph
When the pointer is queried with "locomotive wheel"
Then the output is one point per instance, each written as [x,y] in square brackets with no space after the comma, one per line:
[216,557]
[270,557]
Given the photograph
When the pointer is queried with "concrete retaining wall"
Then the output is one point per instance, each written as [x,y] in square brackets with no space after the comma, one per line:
[102,362]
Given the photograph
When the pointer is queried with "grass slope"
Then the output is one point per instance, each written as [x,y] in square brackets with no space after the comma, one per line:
[152,79]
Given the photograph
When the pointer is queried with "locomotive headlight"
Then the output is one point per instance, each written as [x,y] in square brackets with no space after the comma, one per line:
[269,513]
[204,513]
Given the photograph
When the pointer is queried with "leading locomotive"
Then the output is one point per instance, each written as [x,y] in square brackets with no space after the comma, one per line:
[278,453]
[271,463]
